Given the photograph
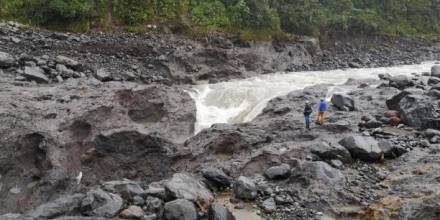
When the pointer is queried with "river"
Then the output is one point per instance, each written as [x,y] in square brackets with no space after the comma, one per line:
[242,100]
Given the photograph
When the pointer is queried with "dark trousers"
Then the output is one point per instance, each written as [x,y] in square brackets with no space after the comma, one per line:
[307,120]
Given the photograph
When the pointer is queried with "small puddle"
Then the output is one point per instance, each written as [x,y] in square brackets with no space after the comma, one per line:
[247,213]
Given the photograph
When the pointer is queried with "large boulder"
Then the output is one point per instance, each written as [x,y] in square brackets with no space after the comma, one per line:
[328,152]
[69,62]
[6,60]
[187,186]
[101,204]
[180,209]
[245,188]
[391,150]
[401,81]
[278,172]
[433,81]
[343,102]
[35,74]
[219,212]
[103,75]
[269,205]
[435,71]
[66,205]
[415,109]
[362,147]
[126,189]
[323,172]
[216,177]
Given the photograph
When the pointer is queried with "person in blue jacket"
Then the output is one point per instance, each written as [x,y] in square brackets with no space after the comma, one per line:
[307,112]
[322,109]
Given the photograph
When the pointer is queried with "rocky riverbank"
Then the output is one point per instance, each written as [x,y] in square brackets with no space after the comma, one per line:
[98,126]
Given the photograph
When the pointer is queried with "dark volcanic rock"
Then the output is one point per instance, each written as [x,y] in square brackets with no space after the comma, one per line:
[435,71]
[6,60]
[128,190]
[415,109]
[362,147]
[187,186]
[35,74]
[278,172]
[101,204]
[245,188]
[219,212]
[391,150]
[216,177]
[328,152]
[180,209]
[67,205]
[322,172]
[343,102]
[401,82]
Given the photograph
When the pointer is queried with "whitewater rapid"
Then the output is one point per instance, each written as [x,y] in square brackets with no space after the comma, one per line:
[242,100]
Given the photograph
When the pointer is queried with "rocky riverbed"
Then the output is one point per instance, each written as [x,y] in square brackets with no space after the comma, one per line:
[100,126]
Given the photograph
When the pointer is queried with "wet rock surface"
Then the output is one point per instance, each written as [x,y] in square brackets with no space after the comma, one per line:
[100,126]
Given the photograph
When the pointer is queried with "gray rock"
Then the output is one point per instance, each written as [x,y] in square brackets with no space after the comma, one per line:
[6,60]
[362,147]
[433,81]
[156,189]
[401,82]
[187,186]
[217,177]
[67,62]
[327,152]
[128,76]
[66,205]
[278,172]
[154,205]
[65,72]
[384,76]
[390,150]
[101,204]
[103,75]
[139,201]
[429,133]
[245,188]
[373,123]
[180,209]
[219,212]
[269,205]
[343,102]
[434,93]
[435,71]
[132,212]
[126,189]
[415,109]
[323,172]
[35,74]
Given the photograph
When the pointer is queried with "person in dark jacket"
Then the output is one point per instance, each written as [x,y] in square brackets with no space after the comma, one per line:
[307,112]
[322,109]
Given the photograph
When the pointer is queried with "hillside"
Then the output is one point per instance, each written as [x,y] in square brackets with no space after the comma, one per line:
[249,19]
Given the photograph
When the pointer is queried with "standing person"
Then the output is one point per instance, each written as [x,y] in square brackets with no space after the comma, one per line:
[322,109]
[307,112]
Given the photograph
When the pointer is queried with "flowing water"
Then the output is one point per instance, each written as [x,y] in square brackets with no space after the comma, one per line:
[241,100]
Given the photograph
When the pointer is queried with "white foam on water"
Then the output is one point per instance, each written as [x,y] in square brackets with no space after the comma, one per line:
[242,100]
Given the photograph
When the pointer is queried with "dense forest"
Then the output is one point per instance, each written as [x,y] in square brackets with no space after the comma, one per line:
[245,17]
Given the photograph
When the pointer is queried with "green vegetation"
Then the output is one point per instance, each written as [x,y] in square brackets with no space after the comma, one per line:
[247,18]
